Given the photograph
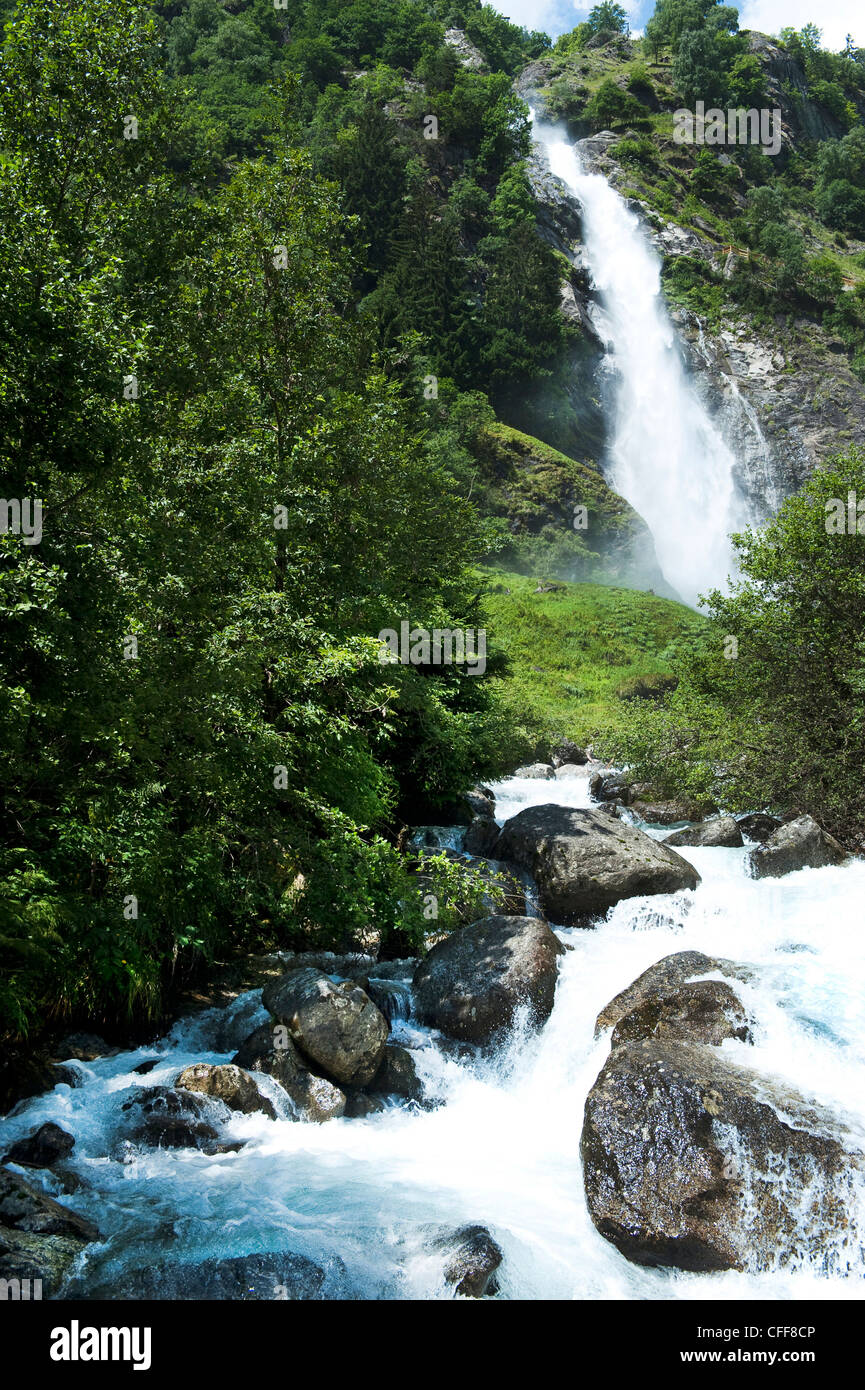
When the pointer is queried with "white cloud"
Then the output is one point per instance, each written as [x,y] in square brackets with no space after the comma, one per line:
[550,16]
[836,18]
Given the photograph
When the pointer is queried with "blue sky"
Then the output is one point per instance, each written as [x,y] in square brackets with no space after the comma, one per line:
[835,17]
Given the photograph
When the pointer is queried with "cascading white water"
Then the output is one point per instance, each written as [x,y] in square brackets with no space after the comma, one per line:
[363,1197]
[666,456]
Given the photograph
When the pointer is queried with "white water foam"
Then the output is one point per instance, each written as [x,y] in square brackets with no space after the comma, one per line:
[502,1148]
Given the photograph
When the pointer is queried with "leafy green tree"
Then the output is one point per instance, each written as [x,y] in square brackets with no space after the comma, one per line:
[608,18]
[609,106]
[203,747]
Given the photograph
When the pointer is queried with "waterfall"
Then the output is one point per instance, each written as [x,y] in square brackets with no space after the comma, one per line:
[666,456]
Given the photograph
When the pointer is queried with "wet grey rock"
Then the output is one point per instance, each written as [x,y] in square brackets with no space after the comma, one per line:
[361,1104]
[758,825]
[229,1083]
[666,812]
[163,1118]
[336,1027]
[279,1276]
[585,861]
[482,836]
[720,832]
[270,1050]
[472,983]
[610,786]
[397,1075]
[43,1148]
[565,751]
[694,1163]
[83,1047]
[665,977]
[704,1011]
[473,1258]
[482,801]
[39,1238]
[800,844]
[536,770]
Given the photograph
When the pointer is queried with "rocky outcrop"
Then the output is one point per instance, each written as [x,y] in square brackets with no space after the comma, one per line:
[536,770]
[472,984]
[39,1238]
[585,861]
[43,1148]
[720,832]
[692,1162]
[230,1084]
[610,786]
[560,513]
[800,844]
[473,1258]
[271,1051]
[468,53]
[481,801]
[783,396]
[336,1027]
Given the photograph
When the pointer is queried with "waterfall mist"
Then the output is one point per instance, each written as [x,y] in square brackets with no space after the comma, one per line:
[666,457]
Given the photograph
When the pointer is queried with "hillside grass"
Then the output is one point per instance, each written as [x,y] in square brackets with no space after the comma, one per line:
[570,649]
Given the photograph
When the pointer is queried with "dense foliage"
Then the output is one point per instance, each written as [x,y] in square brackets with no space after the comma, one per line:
[202,746]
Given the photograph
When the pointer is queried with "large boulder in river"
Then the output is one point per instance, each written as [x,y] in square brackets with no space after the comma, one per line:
[167,1119]
[692,1162]
[481,801]
[758,825]
[43,1148]
[566,752]
[481,836]
[227,1083]
[397,1075]
[472,983]
[270,1050]
[800,844]
[721,832]
[585,861]
[39,1238]
[666,812]
[336,1027]
[706,1011]
[538,771]
[669,979]
[280,1276]
[472,1260]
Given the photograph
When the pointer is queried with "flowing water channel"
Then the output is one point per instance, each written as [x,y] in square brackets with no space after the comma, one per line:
[365,1197]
